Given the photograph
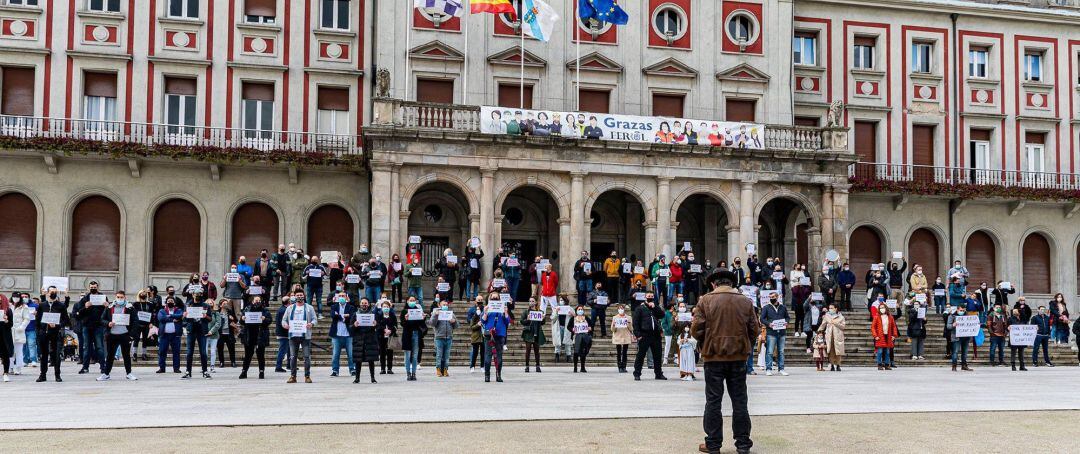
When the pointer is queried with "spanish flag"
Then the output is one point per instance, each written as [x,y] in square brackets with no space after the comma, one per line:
[492,6]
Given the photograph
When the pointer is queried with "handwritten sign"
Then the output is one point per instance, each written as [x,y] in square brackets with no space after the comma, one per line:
[621,322]
[446,316]
[1006,285]
[686,246]
[195,288]
[474,242]
[564,310]
[365,319]
[920,313]
[535,316]
[315,272]
[505,298]
[195,312]
[495,306]
[61,283]
[121,319]
[875,267]
[817,296]
[375,274]
[685,317]
[414,239]
[513,262]
[414,314]
[498,283]
[586,268]
[143,316]
[255,290]
[891,303]
[639,270]
[627,268]
[663,272]
[777,275]
[939,292]
[639,296]
[581,328]
[601,301]
[766,294]
[329,256]
[397,266]
[967,325]
[751,249]
[778,325]
[804,280]
[695,268]
[232,277]
[50,318]
[920,297]
[897,255]
[416,271]
[442,286]
[451,259]
[1022,335]
[97,300]
[297,328]
[352,278]
[253,318]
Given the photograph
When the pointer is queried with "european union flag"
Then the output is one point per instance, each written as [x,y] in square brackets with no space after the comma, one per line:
[603,11]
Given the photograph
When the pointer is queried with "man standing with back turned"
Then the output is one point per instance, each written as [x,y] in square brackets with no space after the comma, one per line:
[725,328]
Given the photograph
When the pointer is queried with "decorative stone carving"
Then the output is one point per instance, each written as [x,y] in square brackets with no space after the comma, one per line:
[835,118]
[382,83]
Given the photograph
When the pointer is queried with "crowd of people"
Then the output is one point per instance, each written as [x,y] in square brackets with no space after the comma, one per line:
[376,307]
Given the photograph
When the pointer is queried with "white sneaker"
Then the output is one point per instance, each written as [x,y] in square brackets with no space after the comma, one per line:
[687,378]
[33,364]
[913,358]
[132,377]
[6,378]
[808,350]
[504,348]
[784,373]
[768,373]
[103,377]
[472,369]
[17,371]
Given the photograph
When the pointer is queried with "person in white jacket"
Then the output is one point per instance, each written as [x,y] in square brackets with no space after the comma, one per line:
[20,319]
[560,331]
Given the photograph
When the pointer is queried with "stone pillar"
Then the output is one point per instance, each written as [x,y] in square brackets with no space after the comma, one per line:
[403,225]
[474,230]
[381,177]
[650,242]
[734,249]
[496,240]
[816,250]
[577,218]
[746,215]
[396,240]
[826,226]
[840,219]
[710,236]
[565,265]
[664,236]
[487,218]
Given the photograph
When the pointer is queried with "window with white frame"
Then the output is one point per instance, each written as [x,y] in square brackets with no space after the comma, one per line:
[977,62]
[180,105]
[335,14]
[21,2]
[865,47]
[804,48]
[979,155]
[257,109]
[1033,66]
[99,100]
[112,6]
[333,113]
[260,11]
[184,8]
[669,22]
[740,28]
[922,57]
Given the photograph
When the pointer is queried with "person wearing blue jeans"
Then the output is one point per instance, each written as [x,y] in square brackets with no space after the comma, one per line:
[998,327]
[30,353]
[775,317]
[411,333]
[342,316]
[1042,338]
[282,335]
[169,320]
[959,344]
[443,322]
[197,330]
[313,280]
[750,359]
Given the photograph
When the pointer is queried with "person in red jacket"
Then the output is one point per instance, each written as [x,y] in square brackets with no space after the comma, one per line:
[675,281]
[883,328]
[549,287]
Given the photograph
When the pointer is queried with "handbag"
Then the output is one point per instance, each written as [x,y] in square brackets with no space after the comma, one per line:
[980,338]
[393,343]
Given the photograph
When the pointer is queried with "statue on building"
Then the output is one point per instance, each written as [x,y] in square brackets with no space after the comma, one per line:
[382,83]
[835,117]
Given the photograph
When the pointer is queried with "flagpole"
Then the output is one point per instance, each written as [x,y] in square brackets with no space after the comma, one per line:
[465,69]
[408,32]
[521,88]
[577,60]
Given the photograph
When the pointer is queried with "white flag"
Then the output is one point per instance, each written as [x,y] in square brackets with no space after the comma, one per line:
[539,19]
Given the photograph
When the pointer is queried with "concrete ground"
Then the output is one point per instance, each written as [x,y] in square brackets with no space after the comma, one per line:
[993,432]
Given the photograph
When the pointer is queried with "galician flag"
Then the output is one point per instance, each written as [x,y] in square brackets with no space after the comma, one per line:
[448,7]
[538,18]
[492,6]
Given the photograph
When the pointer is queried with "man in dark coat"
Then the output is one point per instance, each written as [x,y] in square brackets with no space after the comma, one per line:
[365,339]
[647,330]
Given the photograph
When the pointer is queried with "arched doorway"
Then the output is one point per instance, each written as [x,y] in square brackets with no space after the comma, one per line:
[254,227]
[330,228]
[777,234]
[866,249]
[616,225]
[702,221]
[177,238]
[95,235]
[18,240]
[530,228]
[439,214]
[1036,264]
[980,258]
[923,250]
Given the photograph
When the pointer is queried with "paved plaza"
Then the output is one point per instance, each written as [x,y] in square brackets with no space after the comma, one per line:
[555,394]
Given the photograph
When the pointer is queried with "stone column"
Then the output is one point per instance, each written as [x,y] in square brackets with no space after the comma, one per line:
[650,242]
[734,249]
[496,240]
[664,236]
[565,265]
[381,177]
[577,219]
[840,219]
[816,250]
[403,226]
[826,219]
[487,218]
[396,240]
[474,230]
[746,215]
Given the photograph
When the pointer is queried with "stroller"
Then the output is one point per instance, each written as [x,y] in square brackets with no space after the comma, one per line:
[70,346]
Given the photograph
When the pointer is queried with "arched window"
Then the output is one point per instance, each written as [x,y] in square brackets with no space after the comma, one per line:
[95,235]
[330,228]
[254,227]
[1036,264]
[865,247]
[980,258]
[923,249]
[177,237]
[18,232]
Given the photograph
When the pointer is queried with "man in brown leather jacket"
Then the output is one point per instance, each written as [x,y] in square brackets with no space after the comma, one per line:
[725,327]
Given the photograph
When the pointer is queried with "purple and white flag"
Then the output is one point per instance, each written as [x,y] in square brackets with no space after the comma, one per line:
[451,8]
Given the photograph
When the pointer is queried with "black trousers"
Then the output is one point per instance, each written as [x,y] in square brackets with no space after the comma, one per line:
[249,351]
[1013,352]
[532,349]
[845,298]
[733,373]
[620,355]
[649,342]
[477,354]
[111,342]
[50,352]
[226,341]
[386,356]
[493,353]
[611,286]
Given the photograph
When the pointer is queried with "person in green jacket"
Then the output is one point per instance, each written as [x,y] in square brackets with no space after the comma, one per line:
[213,333]
[532,332]
[659,273]
[415,282]
[667,326]
[299,264]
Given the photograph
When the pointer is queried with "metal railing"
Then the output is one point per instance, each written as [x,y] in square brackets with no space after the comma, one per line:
[466,118]
[159,134]
[963,175]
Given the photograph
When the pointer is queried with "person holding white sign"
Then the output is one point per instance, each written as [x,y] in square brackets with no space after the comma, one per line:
[20,319]
[512,270]
[598,302]
[532,332]
[495,325]
[122,325]
[414,278]
[473,254]
[255,335]
[299,319]
[374,274]
[561,338]
[197,319]
[648,329]
[612,268]
[443,322]
[960,343]
[775,317]
[997,326]
[92,335]
[583,277]
[1021,335]
[412,328]
[342,315]
[169,320]
[52,318]
[621,336]
[883,328]
[314,274]
[386,328]
[582,329]
[916,330]
[365,339]
[233,287]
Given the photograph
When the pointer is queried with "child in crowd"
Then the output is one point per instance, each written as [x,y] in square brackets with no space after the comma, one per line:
[819,352]
[687,362]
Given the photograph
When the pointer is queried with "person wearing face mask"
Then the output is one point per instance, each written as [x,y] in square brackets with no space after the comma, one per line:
[647,331]
[314,273]
[659,272]
[233,287]
[213,331]
[621,336]
[561,327]
[169,320]
[414,279]
[582,328]
[89,315]
[845,281]
[476,333]
[282,334]
[30,354]
[1059,316]
[365,340]
[612,271]
[692,272]
[7,343]
[264,269]
[959,344]
[197,330]
[896,279]
[916,330]
[20,320]
[51,336]
[495,325]
[960,272]
[298,263]
[997,325]
[255,335]
[511,270]
[360,257]
[342,316]
[883,328]
[832,326]
[144,302]
[674,322]
[917,281]
[1042,337]
[774,317]
[209,289]
[119,334]
[532,333]
[411,333]
[828,287]
[374,275]
[443,321]
[386,328]
[1014,350]
[675,280]
[598,303]
[394,275]
[812,312]
[304,314]
[583,273]
[281,268]
[687,355]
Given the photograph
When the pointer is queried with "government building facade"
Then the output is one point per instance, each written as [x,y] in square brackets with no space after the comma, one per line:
[143,142]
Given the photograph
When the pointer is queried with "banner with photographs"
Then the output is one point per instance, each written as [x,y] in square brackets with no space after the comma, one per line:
[628,128]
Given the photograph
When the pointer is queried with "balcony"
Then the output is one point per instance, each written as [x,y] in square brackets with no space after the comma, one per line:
[466,119]
[223,145]
[963,182]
